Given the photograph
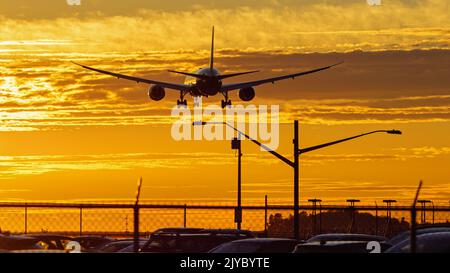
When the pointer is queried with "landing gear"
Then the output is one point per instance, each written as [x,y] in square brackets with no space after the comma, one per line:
[226,102]
[182,101]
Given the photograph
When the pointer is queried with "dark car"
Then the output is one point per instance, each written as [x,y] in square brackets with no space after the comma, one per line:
[180,240]
[114,246]
[436,242]
[341,247]
[130,248]
[119,245]
[346,237]
[257,245]
[52,241]
[92,242]
[18,242]
[426,230]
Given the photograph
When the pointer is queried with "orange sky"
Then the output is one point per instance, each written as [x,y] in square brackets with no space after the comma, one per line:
[71,134]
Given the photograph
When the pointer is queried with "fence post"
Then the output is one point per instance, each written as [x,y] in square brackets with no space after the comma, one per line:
[136,245]
[433,213]
[413,229]
[376,218]
[265,217]
[320,218]
[185,216]
[81,220]
[26,218]
[136,228]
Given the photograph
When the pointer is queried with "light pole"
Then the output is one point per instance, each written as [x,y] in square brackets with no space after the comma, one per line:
[352,210]
[295,163]
[236,145]
[388,215]
[388,206]
[422,213]
[314,214]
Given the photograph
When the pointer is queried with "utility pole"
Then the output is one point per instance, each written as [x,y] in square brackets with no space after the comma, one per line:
[236,145]
[296,183]
[136,218]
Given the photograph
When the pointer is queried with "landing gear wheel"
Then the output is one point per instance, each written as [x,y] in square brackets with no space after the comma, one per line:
[226,103]
[181,103]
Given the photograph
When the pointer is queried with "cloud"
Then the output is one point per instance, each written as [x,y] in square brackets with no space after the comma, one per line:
[40,164]
[342,27]
[53,93]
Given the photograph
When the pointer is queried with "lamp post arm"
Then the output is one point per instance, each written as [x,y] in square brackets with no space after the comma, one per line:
[309,149]
[277,155]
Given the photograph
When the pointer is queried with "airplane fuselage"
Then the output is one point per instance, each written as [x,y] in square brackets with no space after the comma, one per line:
[209,86]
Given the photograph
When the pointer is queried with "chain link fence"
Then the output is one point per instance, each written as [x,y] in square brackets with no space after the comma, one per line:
[117,220]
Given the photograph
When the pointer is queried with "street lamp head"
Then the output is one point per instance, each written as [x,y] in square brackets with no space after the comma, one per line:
[394,132]
[203,123]
[198,123]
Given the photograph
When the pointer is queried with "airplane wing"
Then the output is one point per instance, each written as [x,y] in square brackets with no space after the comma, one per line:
[235,86]
[181,87]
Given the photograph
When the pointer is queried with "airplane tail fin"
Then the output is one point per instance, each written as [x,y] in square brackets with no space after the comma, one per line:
[211,59]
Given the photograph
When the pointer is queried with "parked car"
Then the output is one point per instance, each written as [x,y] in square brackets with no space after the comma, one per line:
[114,246]
[18,242]
[130,248]
[425,230]
[180,240]
[52,241]
[257,245]
[338,247]
[346,237]
[436,242]
[92,242]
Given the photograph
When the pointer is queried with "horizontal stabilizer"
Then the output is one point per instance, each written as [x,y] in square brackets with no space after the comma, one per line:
[190,74]
[235,74]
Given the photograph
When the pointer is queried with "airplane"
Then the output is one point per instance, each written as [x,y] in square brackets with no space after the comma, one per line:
[207,82]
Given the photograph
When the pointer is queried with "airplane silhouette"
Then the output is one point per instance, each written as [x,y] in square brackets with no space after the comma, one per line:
[208,82]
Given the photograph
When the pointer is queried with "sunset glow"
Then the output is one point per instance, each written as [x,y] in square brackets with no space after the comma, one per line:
[71,134]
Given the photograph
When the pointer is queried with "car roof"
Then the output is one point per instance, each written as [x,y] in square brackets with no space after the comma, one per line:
[119,242]
[49,236]
[169,230]
[201,231]
[405,235]
[346,235]
[422,238]
[436,225]
[17,237]
[332,243]
[263,240]
[93,237]
[442,234]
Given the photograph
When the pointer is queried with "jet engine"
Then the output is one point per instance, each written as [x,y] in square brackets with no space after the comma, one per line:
[156,92]
[247,93]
